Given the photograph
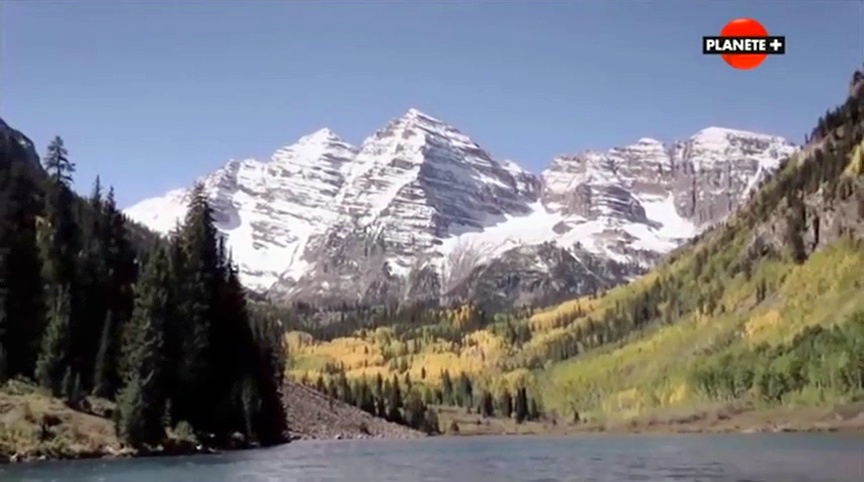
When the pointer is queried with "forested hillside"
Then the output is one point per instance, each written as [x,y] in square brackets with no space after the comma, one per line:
[94,307]
[766,310]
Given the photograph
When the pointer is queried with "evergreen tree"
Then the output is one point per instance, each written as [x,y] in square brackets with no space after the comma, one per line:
[366,401]
[269,375]
[487,406]
[105,374]
[415,413]
[379,385]
[57,163]
[506,403]
[53,359]
[408,384]
[120,257]
[521,405]
[141,400]
[60,242]
[466,394]
[199,281]
[447,387]
[394,404]
[92,278]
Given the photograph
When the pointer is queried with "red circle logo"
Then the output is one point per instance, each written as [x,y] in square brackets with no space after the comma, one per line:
[744,27]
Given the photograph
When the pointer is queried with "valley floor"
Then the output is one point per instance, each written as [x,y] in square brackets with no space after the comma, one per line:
[729,419]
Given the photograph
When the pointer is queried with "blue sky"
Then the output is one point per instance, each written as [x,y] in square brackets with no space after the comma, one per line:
[150,95]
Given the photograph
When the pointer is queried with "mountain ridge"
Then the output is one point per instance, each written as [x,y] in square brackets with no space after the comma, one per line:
[419,189]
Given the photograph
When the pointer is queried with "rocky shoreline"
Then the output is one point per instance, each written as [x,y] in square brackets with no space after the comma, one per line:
[35,426]
[315,416]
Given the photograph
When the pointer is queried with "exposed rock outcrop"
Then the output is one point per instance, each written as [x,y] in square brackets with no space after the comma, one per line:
[314,415]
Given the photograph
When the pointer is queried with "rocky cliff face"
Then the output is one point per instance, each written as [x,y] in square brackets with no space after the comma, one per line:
[419,210]
[28,150]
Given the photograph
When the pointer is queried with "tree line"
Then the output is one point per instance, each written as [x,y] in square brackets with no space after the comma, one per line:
[410,403]
[90,306]
[326,323]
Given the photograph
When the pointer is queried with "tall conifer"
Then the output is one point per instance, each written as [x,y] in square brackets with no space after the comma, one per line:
[141,401]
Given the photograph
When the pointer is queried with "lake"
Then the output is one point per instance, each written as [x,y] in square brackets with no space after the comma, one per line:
[590,458]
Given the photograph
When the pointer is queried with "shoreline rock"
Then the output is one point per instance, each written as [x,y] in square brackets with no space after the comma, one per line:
[313,415]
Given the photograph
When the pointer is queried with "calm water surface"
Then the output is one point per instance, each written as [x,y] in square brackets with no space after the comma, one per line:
[727,458]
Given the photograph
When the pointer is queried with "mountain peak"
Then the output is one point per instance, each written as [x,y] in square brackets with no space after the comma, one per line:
[414,113]
[417,117]
[321,136]
[648,141]
[722,133]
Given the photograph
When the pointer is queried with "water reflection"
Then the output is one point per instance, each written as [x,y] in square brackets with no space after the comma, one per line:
[709,458]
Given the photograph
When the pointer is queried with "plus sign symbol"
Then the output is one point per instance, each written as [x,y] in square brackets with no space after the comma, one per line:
[749,28]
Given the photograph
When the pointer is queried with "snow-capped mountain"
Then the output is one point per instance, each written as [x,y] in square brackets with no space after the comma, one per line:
[421,210]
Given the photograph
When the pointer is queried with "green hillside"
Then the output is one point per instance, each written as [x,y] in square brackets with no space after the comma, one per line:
[764,311]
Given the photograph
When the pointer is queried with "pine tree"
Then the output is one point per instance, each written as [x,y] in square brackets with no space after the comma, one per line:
[141,400]
[104,373]
[447,388]
[57,163]
[506,404]
[466,395]
[199,278]
[521,405]
[394,404]
[60,243]
[487,407]
[54,357]
[367,401]
[378,391]
[408,384]
[233,349]
[92,283]
[120,257]
[415,412]
[134,422]
[271,427]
